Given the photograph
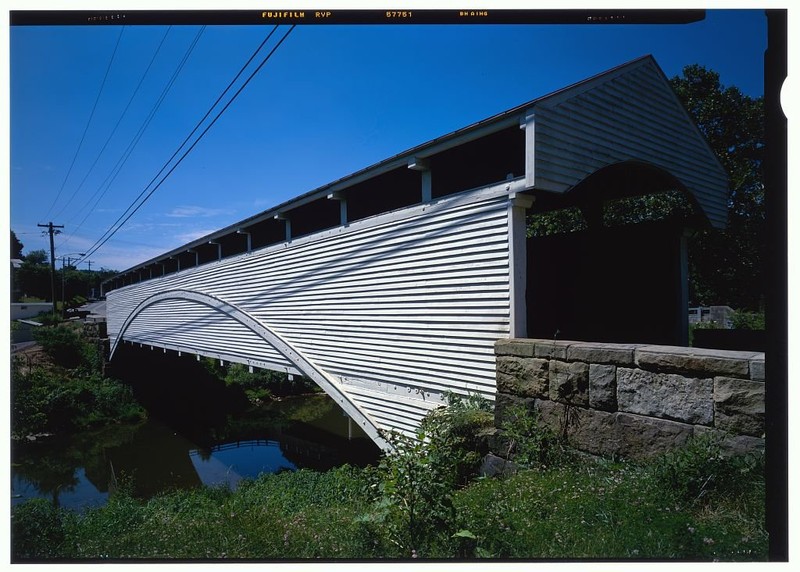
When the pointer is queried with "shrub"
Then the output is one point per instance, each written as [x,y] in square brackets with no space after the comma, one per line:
[414,510]
[48,318]
[70,393]
[28,416]
[531,444]
[699,471]
[458,435]
[37,530]
[46,401]
[62,344]
[260,385]
[743,320]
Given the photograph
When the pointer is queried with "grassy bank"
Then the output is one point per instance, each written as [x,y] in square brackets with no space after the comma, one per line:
[424,502]
[594,511]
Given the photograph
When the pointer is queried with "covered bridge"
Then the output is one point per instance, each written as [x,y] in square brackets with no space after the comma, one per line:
[389,287]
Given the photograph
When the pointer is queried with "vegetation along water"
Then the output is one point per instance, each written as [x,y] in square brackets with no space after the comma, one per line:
[426,500]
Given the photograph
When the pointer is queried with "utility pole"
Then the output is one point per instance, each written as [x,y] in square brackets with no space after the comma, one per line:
[64,266]
[51,231]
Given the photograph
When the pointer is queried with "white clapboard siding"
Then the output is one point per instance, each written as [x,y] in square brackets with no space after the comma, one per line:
[398,310]
[628,114]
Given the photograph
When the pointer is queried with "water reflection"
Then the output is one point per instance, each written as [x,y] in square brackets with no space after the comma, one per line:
[227,464]
[80,493]
[308,432]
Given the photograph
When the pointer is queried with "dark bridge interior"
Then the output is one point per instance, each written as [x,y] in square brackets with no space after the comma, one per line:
[607,285]
[613,276]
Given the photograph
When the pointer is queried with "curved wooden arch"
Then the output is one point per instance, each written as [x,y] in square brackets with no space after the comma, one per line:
[627,179]
[619,180]
[318,375]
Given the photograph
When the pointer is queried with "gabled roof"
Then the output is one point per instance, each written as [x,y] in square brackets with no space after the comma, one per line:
[632,98]
[629,113]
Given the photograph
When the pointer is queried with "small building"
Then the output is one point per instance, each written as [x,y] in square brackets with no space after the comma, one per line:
[25,310]
[720,316]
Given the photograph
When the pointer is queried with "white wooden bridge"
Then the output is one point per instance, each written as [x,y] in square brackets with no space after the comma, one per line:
[389,288]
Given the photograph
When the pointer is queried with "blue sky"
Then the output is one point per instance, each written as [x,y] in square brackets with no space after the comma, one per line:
[331,101]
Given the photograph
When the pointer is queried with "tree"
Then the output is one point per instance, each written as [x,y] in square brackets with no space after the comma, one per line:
[16,246]
[727,266]
[36,257]
[33,276]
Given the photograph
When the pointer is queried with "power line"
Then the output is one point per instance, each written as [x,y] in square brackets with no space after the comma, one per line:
[113,131]
[109,233]
[88,123]
[117,169]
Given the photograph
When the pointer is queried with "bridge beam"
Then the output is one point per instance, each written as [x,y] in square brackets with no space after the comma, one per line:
[287,225]
[248,236]
[219,248]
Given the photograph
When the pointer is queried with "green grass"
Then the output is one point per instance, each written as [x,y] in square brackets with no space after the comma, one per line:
[607,511]
[301,514]
[586,510]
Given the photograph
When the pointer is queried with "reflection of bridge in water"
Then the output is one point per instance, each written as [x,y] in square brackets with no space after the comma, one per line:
[228,463]
[155,462]
[388,288]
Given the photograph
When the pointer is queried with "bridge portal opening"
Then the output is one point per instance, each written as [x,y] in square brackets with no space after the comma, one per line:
[607,261]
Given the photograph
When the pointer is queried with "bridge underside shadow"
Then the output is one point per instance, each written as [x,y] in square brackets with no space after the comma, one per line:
[211,307]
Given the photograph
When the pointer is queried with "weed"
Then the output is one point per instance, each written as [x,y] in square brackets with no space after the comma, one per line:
[418,478]
[37,530]
[530,443]
[699,470]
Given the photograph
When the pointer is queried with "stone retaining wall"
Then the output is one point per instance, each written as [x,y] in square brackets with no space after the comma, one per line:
[633,400]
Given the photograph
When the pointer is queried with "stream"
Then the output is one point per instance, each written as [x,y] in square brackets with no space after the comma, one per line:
[164,454]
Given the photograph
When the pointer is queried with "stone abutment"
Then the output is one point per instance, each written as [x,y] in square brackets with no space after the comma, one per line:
[633,400]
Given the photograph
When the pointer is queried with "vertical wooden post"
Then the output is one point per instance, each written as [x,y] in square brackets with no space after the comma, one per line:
[427,186]
[424,167]
[219,249]
[683,291]
[342,206]
[528,124]
[518,262]
[287,225]
[249,238]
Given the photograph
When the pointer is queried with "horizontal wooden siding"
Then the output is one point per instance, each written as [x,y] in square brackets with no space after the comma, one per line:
[400,309]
